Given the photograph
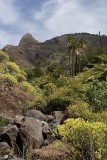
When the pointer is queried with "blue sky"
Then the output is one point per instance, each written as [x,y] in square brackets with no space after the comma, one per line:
[45,19]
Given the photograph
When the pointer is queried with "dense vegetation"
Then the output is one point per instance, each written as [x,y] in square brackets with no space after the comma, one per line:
[83,95]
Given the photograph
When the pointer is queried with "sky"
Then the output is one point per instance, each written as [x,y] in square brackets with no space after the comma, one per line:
[45,19]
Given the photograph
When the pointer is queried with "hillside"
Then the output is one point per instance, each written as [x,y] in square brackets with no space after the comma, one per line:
[30,52]
[47,112]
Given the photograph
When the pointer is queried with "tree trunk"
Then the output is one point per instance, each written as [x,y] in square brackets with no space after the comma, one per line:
[70,63]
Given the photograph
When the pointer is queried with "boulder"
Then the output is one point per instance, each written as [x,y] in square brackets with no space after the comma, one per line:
[31,133]
[36,114]
[9,135]
[4,149]
[58,117]
[50,118]
[45,128]
[19,120]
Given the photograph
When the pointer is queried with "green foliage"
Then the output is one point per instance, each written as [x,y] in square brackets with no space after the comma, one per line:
[80,110]
[3,56]
[97,96]
[55,69]
[8,78]
[27,87]
[49,89]
[20,77]
[62,81]
[89,139]
[3,122]
[35,72]
[12,67]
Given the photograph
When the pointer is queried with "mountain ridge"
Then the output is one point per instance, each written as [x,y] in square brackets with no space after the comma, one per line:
[30,51]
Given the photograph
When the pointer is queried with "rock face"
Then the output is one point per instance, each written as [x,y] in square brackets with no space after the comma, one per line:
[36,114]
[30,51]
[27,40]
[31,132]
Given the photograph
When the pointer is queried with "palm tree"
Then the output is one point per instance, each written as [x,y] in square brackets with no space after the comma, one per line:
[82,46]
[75,50]
[72,48]
[69,52]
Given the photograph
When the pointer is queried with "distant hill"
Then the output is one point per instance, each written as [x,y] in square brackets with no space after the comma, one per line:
[30,52]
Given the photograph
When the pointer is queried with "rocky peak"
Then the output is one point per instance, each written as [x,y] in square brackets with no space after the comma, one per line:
[27,39]
[6,47]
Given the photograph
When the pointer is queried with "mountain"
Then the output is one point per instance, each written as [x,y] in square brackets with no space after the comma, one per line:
[30,52]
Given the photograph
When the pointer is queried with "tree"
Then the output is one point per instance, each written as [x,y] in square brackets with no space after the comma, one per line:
[75,49]
[72,46]
[82,46]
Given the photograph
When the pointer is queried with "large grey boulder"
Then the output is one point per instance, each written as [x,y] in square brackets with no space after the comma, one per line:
[31,133]
[9,135]
[36,114]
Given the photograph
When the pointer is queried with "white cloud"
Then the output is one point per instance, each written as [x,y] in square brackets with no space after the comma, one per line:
[8,12]
[55,17]
[70,16]
[8,38]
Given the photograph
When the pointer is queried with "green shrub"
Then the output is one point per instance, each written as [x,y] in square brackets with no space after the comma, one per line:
[89,139]
[12,67]
[3,122]
[8,78]
[35,72]
[49,89]
[56,103]
[39,102]
[62,81]
[27,87]
[3,56]
[20,77]
[80,110]
[96,95]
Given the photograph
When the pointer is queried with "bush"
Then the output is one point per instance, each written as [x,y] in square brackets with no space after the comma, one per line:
[56,103]
[27,87]
[35,72]
[39,102]
[80,110]
[12,67]
[89,139]
[3,122]
[62,81]
[49,89]
[96,95]
[3,56]
[8,78]
[20,77]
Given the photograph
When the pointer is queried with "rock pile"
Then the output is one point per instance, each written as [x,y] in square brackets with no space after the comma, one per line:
[27,132]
